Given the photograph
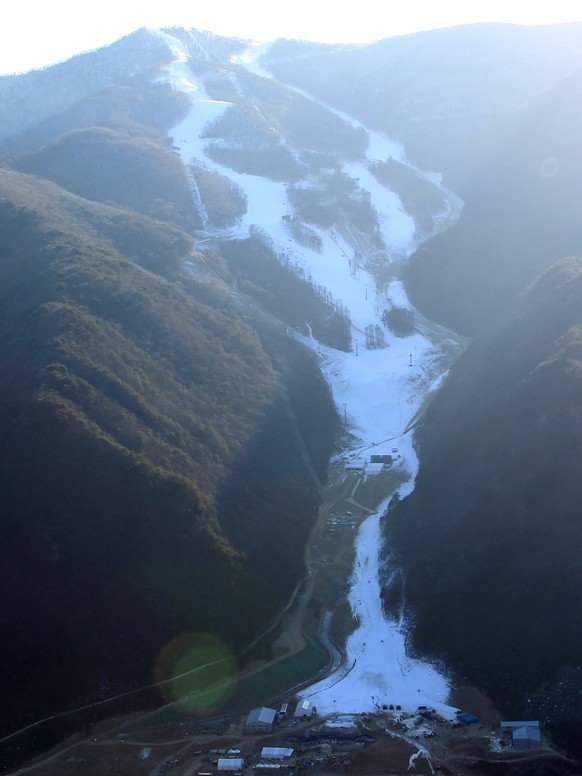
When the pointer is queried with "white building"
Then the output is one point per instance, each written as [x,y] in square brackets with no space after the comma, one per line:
[356,465]
[260,720]
[303,710]
[229,764]
[275,752]
[525,734]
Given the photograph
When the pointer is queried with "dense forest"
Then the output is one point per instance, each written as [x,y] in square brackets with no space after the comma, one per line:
[155,424]
[436,91]
[166,429]
[522,212]
[489,540]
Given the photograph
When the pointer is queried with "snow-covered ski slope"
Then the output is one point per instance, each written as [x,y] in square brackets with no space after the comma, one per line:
[380,391]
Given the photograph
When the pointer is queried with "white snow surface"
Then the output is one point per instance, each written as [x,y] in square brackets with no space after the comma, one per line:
[378,390]
[377,670]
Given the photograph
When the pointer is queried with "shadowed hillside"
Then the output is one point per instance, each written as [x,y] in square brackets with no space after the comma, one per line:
[107,166]
[489,540]
[128,404]
[522,212]
[434,91]
[165,432]
[491,537]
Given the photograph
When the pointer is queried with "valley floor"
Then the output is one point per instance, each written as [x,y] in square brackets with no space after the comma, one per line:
[168,740]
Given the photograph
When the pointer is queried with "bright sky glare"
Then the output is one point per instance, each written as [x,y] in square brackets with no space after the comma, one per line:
[40,33]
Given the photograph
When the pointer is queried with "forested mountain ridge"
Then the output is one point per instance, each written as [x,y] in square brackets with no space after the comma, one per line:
[106,165]
[522,212]
[129,405]
[31,98]
[489,540]
[162,430]
[434,91]
[162,438]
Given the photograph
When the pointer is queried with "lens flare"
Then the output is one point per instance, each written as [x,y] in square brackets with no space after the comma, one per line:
[196,671]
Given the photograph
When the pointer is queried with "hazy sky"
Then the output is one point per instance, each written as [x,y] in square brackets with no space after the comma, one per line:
[41,32]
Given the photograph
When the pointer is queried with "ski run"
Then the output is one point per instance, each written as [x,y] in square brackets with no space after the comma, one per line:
[378,391]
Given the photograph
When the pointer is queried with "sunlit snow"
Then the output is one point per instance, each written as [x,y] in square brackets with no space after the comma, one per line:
[380,391]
